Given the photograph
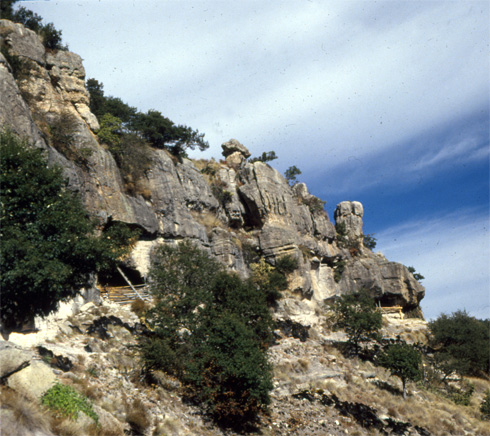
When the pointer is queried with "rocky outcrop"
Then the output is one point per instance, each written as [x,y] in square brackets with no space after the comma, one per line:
[226,209]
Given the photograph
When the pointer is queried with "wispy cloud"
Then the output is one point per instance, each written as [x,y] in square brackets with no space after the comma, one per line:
[452,253]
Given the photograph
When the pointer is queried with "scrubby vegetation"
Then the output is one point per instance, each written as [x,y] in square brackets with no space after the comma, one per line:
[291,173]
[460,342]
[63,400]
[266,156]
[211,330]
[50,36]
[118,120]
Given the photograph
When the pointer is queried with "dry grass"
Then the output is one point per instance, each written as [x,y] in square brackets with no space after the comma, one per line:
[137,416]
[21,417]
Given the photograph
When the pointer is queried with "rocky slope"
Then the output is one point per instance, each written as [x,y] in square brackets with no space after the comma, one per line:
[45,90]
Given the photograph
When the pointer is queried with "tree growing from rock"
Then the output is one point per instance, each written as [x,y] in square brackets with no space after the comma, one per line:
[291,173]
[358,316]
[403,361]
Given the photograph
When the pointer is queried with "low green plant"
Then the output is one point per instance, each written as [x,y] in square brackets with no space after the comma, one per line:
[286,264]
[461,395]
[314,204]
[65,401]
[338,269]
[485,406]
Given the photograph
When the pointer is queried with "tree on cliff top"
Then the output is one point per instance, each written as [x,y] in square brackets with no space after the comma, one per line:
[49,251]
[158,130]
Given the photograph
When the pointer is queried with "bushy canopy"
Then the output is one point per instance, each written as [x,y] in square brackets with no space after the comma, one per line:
[461,342]
[211,329]
[357,315]
[49,250]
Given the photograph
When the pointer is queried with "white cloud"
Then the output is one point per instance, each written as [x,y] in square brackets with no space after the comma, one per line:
[452,253]
[356,77]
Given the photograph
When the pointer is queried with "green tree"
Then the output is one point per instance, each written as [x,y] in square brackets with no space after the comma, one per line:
[266,156]
[49,249]
[461,343]
[369,241]
[50,35]
[211,329]
[358,316]
[403,361]
[417,276]
[291,173]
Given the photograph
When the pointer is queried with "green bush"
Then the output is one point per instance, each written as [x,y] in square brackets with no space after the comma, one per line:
[65,401]
[461,343]
[286,264]
[358,316]
[417,276]
[49,247]
[461,395]
[369,241]
[211,329]
[156,129]
[485,407]
[50,36]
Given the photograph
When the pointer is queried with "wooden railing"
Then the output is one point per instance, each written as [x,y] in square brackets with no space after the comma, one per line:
[124,294]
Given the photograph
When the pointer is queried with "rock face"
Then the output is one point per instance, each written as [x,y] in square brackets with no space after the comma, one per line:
[239,206]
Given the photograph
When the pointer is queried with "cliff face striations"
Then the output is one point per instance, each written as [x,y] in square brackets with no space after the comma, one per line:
[236,208]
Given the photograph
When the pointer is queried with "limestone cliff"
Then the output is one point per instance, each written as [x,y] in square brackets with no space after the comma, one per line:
[41,90]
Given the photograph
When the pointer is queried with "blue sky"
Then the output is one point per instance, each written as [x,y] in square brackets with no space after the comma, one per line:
[383,102]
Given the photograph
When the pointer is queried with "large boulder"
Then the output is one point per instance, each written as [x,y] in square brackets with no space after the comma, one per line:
[33,381]
[391,283]
[12,359]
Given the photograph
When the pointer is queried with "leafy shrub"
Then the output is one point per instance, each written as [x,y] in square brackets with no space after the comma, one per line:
[286,264]
[461,343]
[314,204]
[67,402]
[358,316]
[17,64]
[338,269]
[49,247]
[222,195]
[50,36]
[485,407]
[156,129]
[461,395]
[211,329]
